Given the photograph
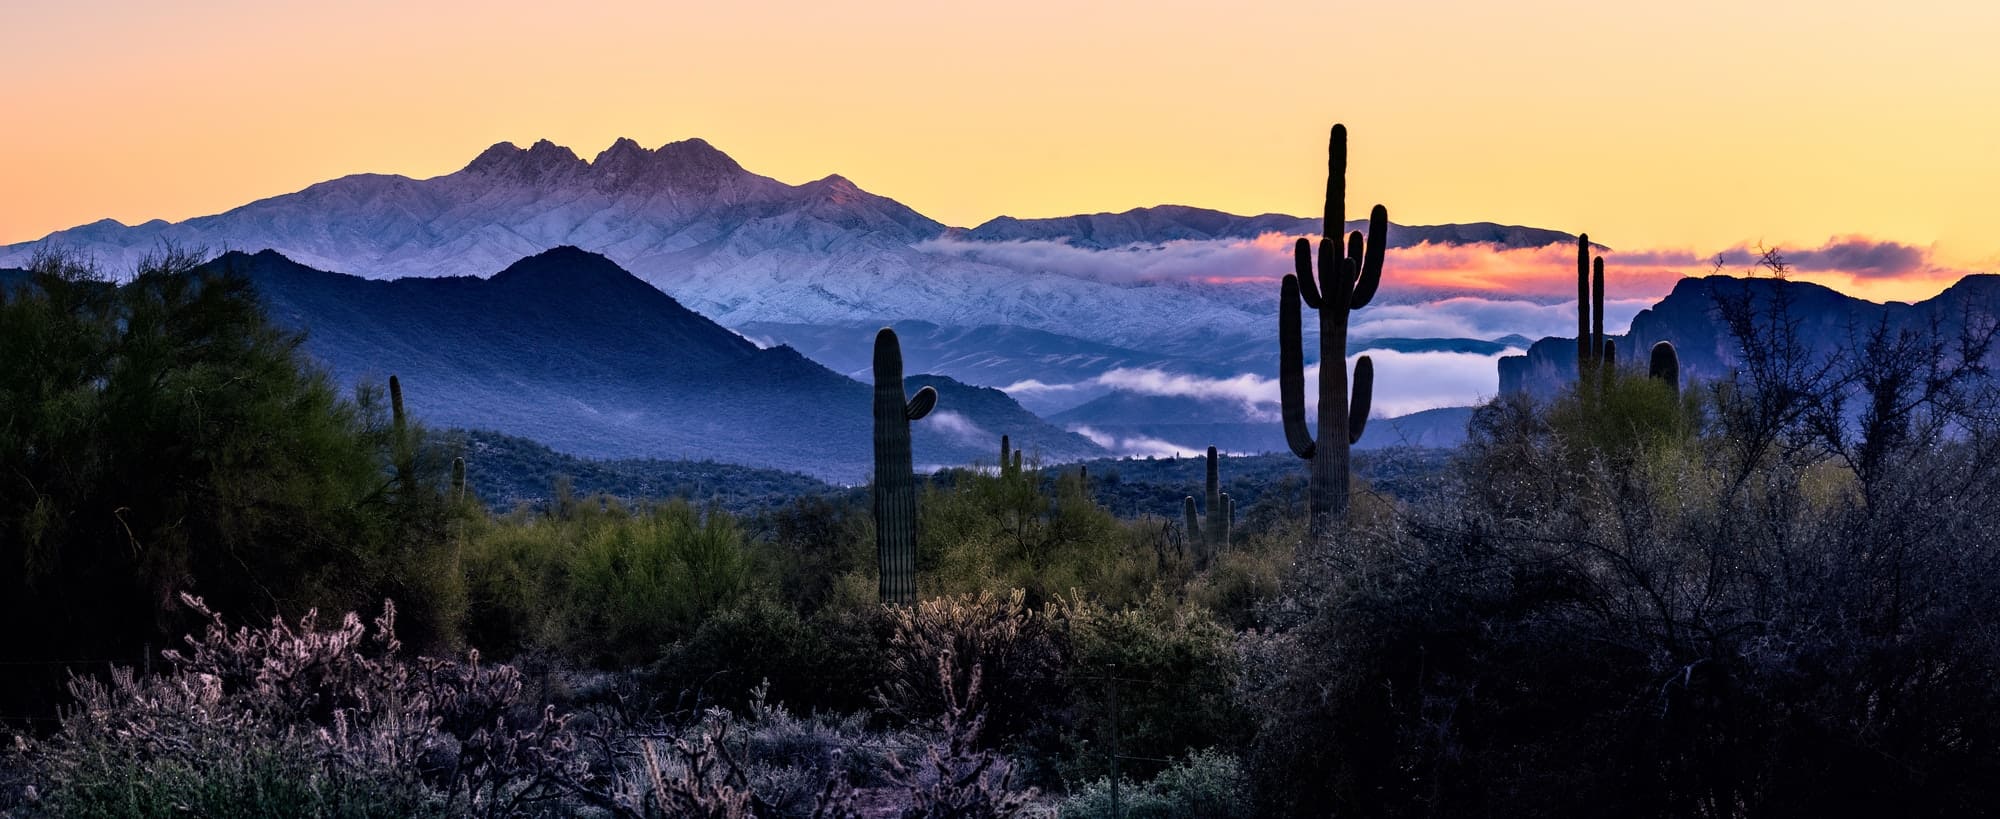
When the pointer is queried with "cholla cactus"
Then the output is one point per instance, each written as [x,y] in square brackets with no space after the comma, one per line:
[957,779]
[1343,284]
[895,481]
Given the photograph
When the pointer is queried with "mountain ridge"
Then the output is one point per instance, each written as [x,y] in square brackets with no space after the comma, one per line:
[733,245]
[566,349]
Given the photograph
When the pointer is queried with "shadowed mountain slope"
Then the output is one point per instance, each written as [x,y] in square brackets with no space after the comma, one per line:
[567,349]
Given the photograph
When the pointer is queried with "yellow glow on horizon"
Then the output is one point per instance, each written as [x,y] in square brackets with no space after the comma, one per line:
[1706,124]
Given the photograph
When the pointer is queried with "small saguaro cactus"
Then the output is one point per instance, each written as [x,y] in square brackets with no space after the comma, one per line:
[1343,283]
[1666,365]
[1213,537]
[1009,469]
[1594,350]
[402,451]
[458,480]
[895,479]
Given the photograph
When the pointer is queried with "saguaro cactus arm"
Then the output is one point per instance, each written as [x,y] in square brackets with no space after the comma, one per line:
[1364,398]
[920,404]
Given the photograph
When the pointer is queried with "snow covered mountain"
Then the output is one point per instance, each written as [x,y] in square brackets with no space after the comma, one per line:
[740,248]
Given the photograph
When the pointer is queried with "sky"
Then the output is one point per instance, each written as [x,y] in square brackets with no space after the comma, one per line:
[1861,134]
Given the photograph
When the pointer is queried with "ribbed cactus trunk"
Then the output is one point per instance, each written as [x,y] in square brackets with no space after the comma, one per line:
[1584,350]
[401,450]
[1599,341]
[1342,283]
[1208,538]
[1213,532]
[895,479]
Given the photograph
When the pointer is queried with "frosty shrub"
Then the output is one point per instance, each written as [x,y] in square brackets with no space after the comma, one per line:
[957,779]
[301,720]
[1012,647]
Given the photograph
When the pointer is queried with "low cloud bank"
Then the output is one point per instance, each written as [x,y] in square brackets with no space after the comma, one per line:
[1429,271]
[1134,446]
[1404,383]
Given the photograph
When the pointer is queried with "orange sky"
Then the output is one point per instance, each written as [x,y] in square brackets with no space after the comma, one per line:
[1695,125]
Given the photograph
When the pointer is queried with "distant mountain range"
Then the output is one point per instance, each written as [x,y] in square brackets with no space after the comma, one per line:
[1829,323]
[567,349]
[816,267]
[742,248]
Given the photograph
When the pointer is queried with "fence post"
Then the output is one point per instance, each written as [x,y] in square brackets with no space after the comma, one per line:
[1111,677]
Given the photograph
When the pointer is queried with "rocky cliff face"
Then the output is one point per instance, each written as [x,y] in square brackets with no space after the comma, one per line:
[1827,322]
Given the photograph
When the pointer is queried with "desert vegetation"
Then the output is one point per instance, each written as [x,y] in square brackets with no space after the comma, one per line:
[235,590]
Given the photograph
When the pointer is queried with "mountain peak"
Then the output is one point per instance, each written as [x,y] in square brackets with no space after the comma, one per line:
[695,153]
[536,161]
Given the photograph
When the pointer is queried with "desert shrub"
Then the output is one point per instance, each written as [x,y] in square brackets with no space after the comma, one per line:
[757,642]
[811,546]
[1044,537]
[1641,625]
[1204,785]
[958,777]
[591,580]
[287,718]
[1011,646]
[163,436]
[1175,668]
[640,581]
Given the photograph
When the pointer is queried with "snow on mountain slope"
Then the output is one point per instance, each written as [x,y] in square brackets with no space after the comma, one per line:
[742,248]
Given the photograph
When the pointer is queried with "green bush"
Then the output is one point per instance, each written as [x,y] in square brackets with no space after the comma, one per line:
[1176,674]
[1205,785]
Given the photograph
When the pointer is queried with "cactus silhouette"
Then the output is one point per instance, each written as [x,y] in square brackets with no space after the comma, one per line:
[402,451]
[1584,347]
[1343,283]
[458,480]
[1009,469]
[1666,365]
[895,481]
[1212,537]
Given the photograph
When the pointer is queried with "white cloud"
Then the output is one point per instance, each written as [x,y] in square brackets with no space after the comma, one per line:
[958,426]
[1134,446]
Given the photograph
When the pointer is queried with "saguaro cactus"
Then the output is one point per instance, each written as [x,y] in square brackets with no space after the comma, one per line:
[402,451]
[895,481]
[1212,537]
[458,480]
[1666,365]
[1009,469]
[1344,283]
[1594,351]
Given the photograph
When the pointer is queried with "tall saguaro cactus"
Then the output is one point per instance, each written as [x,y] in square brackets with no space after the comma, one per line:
[895,481]
[1594,351]
[1342,284]
[1211,538]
